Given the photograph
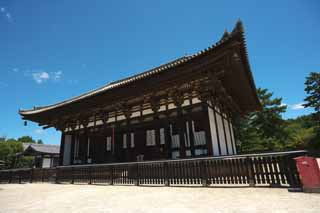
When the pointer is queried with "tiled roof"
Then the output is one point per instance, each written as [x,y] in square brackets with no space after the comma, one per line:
[226,36]
[42,148]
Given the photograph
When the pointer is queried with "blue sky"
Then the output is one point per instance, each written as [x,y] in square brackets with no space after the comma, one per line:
[53,50]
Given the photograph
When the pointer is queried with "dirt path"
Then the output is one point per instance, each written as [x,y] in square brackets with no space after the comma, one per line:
[90,198]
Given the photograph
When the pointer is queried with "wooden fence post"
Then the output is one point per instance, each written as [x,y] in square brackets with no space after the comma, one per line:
[90,177]
[204,175]
[250,171]
[31,175]
[72,176]
[42,175]
[57,174]
[111,183]
[19,173]
[137,175]
[166,173]
[10,176]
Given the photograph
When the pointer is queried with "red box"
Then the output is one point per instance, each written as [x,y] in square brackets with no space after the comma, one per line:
[309,173]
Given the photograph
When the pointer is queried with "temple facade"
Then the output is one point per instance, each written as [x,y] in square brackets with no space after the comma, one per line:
[182,109]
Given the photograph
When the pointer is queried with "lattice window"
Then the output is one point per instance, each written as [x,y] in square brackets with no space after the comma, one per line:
[200,152]
[199,137]
[88,147]
[124,140]
[175,139]
[187,136]
[162,136]
[109,142]
[151,137]
[175,154]
[132,140]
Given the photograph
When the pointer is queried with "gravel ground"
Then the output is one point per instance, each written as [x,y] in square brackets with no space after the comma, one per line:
[92,198]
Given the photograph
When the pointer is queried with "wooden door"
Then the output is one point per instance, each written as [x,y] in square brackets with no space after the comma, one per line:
[98,148]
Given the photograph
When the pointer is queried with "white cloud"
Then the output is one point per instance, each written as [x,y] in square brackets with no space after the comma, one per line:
[15,69]
[39,131]
[283,104]
[6,14]
[297,106]
[40,77]
[56,76]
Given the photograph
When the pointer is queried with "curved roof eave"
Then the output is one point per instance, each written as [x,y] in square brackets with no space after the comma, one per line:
[238,30]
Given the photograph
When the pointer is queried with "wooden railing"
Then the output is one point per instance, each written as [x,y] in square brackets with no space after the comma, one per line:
[273,169]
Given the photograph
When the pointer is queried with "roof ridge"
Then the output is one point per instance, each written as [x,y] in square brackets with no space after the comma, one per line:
[226,36]
[150,70]
[43,144]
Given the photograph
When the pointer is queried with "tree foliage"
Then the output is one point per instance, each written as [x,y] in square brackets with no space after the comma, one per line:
[312,88]
[39,141]
[263,130]
[26,139]
[266,130]
[313,91]
[10,147]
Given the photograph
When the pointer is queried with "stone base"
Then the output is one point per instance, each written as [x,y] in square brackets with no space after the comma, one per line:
[295,190]
[311,190]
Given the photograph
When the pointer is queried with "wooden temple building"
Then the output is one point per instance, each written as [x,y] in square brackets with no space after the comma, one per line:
[44,155]
[182,109]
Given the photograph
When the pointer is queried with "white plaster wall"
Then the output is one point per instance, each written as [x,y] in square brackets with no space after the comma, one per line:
[228,138]
[221,135]
[147,111]
[213,132]
[46,162]
[195,100]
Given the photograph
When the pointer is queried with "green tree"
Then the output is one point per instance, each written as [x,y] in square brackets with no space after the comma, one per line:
[26,139]
[263,130]
[11,140]
[5,150]
[300,131]
[39,141]
[313,92]
[312,88]
[8,150]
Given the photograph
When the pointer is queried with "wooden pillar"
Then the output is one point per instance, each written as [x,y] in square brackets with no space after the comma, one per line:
[168,142]
[72,151]
[84,157]
[126,110]
[178,98]
[61,149]
[224,132]
[155,106]
[181,131]
[190,120]
[204,96]
[157,135]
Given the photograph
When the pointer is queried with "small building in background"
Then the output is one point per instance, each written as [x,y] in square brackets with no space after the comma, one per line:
[45,155]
